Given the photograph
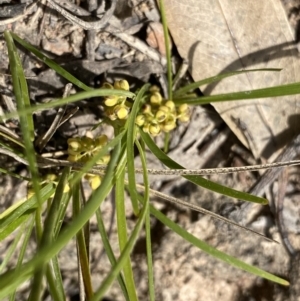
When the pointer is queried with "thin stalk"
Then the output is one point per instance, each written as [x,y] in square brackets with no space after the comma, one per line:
[122,235]
[167,46]
[82,251]
[141,149]
[109,252]
[22,251]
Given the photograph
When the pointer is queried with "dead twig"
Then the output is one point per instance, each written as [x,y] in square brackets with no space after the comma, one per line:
[26,12]
[90,25]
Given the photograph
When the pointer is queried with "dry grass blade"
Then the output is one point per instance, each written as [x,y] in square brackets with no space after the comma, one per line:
[201,210]
[180,172]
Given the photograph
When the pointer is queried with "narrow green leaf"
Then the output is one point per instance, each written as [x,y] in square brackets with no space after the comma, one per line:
[123,257]
[167,47]
[147,221]
[9,216]
[67,100]
[7,230]
[11,279]
[61,71]
[131,134]
[199,180]
[19,83]
[283,90]
[52,216]
[81,245]
[109,252]
[209,80]
[214,252]
[62,212]
[13,246]
[54,279]
[23,249]
[122,235]
[23,103]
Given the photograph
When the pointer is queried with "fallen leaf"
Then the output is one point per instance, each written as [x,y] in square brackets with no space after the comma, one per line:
[229,35]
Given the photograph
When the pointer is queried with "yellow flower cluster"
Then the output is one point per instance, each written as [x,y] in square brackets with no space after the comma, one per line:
[117,107]
[160,115]
[49,178]
[84,148]
[156,116]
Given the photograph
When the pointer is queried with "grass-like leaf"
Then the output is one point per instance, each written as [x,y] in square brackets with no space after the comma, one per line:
[131,134]
[70,99]
[23,103]
[81,245]
[209,80]
[214,252]
[13,246]
[122,235]
[167,48]
[11,227]
[141,149]
[61,71]
[283,90]
[11,279]
[161,156]
[124,255]
[11,214]
[109,252]
[28,230]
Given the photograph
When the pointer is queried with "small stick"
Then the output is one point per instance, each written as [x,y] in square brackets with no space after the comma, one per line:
[26,12]
[43,140]
[97,25]
[91,25]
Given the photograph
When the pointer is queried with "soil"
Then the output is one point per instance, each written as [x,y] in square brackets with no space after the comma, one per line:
[182,272]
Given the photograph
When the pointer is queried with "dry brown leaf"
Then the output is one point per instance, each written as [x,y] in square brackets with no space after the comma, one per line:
[228,35]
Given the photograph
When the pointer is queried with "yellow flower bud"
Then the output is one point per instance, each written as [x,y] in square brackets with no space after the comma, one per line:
[95,182]
[104,160]
[146,127]
[87,143]
[167,127]
[30,192]
[164,109]
[183,108]
[111,101]
[66,188]
[146,109]
[89,176]
[140,120]
[170,104]
[74,144]
[156,98]
[154,89]
[121,111]
[72,158]
[161,116]
[85,158]
[50,177]
[184,117]
[121,84]
[154,129]
[101,140]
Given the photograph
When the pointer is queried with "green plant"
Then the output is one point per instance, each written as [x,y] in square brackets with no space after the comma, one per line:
[135,118]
